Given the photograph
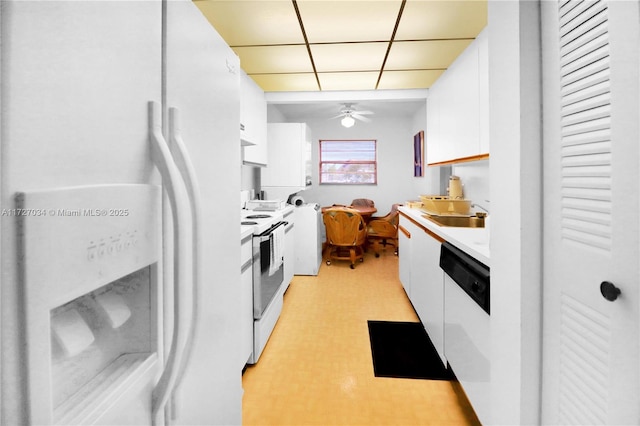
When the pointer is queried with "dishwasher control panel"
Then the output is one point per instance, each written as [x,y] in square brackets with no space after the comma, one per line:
[472,276]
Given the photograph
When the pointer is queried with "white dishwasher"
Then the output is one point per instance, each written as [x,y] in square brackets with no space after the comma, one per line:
[467,338]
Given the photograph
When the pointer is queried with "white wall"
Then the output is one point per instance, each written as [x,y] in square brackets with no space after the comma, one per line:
[430,182]
[515,125]
[394,135]
[475,180]
[274,115]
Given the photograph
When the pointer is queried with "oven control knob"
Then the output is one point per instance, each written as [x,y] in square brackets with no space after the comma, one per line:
[609,291]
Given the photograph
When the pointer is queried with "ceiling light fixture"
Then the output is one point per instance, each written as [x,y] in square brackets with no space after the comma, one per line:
[348,121]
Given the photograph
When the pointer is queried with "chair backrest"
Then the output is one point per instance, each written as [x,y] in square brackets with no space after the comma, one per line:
[345,226]
[386,226]
[363,202]
[394,215]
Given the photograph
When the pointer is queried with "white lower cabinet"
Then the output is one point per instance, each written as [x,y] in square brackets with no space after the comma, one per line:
[289,250]
[404,255]
[246,299]
[428,286]
[425,278]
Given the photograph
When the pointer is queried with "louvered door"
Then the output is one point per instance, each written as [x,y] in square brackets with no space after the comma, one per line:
[591,182]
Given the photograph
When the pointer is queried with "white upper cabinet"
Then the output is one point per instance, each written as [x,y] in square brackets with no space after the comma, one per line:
[457,107]
[253,122]
[483,86]
[289,156]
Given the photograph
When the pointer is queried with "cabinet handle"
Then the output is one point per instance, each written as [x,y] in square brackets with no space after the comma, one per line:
[609,291]
[404,231]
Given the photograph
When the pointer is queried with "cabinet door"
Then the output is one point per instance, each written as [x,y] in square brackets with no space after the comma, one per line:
[466,105]
[286,155]
[433,138]
[289,252]
[246,312]
[253,122]
[422,278]
[483,91]
[457,107]
[404,255]
[245,100]
[307,155]
[427,286]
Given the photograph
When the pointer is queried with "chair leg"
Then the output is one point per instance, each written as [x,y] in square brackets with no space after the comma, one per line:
[376,247]
[352,256]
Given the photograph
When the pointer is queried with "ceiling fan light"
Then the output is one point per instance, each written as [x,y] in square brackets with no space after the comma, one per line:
[348,121]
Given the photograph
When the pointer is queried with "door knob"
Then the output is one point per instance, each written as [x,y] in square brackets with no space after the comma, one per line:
[609,291]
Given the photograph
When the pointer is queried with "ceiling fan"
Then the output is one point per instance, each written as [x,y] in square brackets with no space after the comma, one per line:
[349,115]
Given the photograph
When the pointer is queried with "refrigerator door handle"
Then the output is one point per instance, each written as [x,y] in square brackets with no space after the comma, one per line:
[185,166]
[172,183]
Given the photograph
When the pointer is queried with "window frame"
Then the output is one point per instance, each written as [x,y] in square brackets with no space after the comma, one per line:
[374,162]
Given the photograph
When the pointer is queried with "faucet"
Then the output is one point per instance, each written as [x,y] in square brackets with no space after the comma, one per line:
[474,205]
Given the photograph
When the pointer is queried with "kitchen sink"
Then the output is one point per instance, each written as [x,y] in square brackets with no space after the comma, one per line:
[457,221]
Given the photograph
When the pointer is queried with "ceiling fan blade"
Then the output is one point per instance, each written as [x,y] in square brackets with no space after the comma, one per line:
[337,116]
[357,116]
[365,112]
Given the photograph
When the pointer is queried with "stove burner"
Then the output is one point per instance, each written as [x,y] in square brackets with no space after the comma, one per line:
[248,222]
[258,216]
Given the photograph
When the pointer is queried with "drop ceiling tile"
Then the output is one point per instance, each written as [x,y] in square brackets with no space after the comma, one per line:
[274,59]
[253,22]
[348,80]
[442,19]
[420,79]
[348,56]
[348,20]
[422,55]
[286,82]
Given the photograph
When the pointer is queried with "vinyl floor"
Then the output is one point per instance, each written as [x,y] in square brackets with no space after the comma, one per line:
[317,369]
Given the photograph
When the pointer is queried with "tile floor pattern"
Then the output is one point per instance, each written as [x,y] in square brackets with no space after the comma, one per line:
[316,368]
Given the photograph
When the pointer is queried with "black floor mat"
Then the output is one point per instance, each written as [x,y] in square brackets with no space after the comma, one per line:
[403,349]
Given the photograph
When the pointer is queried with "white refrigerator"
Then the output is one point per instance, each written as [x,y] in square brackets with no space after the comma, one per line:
[105,227]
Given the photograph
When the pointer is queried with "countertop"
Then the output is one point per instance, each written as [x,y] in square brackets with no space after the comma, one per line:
[289,208]
[472,241]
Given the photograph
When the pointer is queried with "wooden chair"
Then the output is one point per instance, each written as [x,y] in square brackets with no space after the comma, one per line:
[384,230]
[346,234]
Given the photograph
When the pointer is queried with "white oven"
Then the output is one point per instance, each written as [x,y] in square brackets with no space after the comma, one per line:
[268,273]
[268,267]
[92,352]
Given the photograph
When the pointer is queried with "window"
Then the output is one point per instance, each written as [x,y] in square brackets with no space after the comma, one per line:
[350,162]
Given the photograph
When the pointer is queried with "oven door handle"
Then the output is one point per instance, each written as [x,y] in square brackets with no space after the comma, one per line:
[187,170]
[266,234]
[173,185]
